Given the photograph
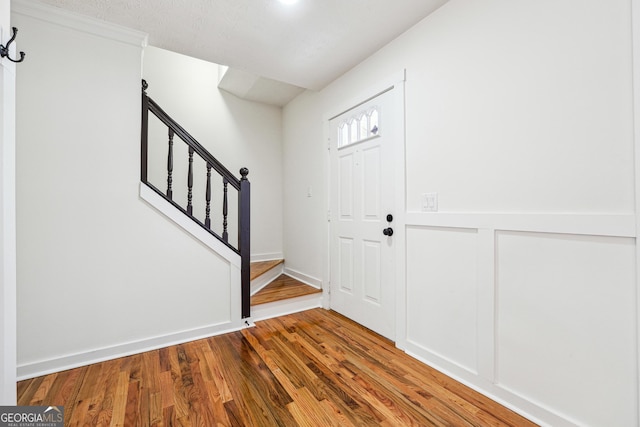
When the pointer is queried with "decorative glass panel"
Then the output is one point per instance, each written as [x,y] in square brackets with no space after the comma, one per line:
[343,135]
[359,127]
[364,126]
[353,131]
[374,126]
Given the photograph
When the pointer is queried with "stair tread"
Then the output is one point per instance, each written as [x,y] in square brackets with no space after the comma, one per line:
[261,267]
[284,287]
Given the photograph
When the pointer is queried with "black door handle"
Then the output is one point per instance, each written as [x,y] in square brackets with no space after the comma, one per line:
[388,231]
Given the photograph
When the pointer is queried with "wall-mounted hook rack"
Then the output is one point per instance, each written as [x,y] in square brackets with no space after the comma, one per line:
[4,50]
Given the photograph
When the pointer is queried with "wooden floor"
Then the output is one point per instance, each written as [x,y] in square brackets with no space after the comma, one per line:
[260,267]
[313,368]
[284,287]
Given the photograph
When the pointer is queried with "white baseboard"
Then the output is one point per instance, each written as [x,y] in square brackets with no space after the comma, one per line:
[44,367]
[284,307]
[266,257]
[542,416]
[309,280]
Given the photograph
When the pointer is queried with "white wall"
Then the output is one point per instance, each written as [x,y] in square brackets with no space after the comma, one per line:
[100,273]
[239,133]
[7,217]
[520,116]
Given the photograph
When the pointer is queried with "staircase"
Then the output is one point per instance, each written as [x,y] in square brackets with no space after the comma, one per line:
[276,293]
[267,288]
[215,225]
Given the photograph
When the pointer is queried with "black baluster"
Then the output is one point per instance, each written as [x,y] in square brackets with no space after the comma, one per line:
[170,166]
[207,217]
[225,235]
[190,183]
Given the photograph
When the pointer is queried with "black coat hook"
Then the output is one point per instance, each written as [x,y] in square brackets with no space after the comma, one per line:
[4,50]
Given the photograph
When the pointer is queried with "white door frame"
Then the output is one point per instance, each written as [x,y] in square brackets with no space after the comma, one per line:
[635,27]
[395,85]
[8,343]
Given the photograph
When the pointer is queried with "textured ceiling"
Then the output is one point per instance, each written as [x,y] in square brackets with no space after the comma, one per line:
[308,44]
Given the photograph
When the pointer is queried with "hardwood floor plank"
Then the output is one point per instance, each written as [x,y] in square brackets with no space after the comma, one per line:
[104,406]
[28,389]
[314,368]
[120,400]
[215,364]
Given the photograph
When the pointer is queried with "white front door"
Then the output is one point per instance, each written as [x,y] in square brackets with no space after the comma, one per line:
[362,185]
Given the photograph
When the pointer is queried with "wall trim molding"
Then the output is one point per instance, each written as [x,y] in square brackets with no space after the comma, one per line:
[8,280]
[618,225]
[266,256]
[86,24]
[635,44]
[304,278]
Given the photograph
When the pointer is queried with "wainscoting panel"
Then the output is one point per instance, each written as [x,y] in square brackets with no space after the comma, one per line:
[565,316]
[538,312]
[442,298]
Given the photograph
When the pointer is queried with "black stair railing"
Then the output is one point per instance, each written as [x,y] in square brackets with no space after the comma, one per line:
[241,185]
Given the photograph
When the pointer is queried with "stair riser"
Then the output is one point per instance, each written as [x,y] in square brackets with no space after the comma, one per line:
[266,278]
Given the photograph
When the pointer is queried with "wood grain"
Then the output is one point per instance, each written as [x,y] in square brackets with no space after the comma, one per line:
[283,287]
[258,268]
[314,368]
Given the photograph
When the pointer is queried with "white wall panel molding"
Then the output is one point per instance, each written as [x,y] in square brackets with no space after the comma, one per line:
[635,27]
[486,289]
[7,216]
[96,27]
[442,303]
[539,300]
[564,304]
[620,225]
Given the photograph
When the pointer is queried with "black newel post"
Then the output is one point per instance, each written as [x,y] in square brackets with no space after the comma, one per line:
[144,133]
[244,240]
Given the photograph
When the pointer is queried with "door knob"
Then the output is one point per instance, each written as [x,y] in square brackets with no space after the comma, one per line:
[388,231]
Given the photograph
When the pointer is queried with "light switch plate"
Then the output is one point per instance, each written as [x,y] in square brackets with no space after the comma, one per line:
[429,202]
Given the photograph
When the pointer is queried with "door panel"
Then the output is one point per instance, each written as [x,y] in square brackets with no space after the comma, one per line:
[362,257]
[371,194]
[345,266]
[372,268]
[346,186]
